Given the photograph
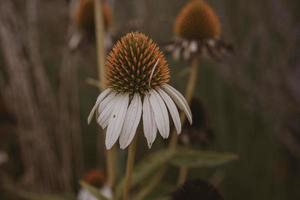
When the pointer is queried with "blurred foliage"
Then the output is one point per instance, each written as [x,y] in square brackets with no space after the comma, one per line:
[194,159]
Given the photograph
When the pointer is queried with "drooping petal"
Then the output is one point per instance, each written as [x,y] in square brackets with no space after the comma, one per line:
[98,101]
[179,100]
[116,120]
[132,119]
[105,102]
[104,116]
[149,126]
[160,113]
[172,109]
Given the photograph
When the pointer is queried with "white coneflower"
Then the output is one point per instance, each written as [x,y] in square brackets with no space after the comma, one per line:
[198,31]
[138,90]
[97,179]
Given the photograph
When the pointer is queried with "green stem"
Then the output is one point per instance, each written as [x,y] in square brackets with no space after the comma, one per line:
[110,154]
[129,168]
[189,92]
[183,173]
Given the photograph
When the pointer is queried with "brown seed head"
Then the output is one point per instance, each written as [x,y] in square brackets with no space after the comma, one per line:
[197,21]
[136,65]
[95,178]
[84,15]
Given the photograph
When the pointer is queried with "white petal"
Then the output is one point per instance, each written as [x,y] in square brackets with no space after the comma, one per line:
[105,114]
[172,109]
[193,46]
[132,119]
[179,100]
[160,113]
[98,101]
[116,121]
[176,53]
[106,191]
[150,128]
[106,101]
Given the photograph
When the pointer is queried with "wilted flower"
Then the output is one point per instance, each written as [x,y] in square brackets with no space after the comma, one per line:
[84,21]
[3,157]
[137,79]
[199,132]
[195,190]
[198,31]
[97,179]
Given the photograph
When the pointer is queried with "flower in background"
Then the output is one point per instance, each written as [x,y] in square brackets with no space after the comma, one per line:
[97,179]
[198,31]
[138,90]
[83,19]
[195,190]
[200,132]
[3,158]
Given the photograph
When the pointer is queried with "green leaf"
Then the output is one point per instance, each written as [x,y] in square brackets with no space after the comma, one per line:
[195,158]
[93,191]
[146,167]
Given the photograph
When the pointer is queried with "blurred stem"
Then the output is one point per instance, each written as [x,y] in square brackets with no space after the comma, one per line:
[100,42]
[110,154]
[183,173]
[149,187]
[189,92]
[129,168]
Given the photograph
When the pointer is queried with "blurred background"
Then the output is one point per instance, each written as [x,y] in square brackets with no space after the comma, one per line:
[251,100]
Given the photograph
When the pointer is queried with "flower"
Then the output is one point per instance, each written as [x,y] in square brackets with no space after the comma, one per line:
[137,79]
[200,132]
[84,22]
[95,178]
[3,157]
[197,189]
[198,31]
[84,15]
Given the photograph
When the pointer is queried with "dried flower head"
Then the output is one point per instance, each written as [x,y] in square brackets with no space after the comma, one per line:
[200,132]
[197,21]
[137,80]
[195,190]
[84,21]
[84,16]
[198,30]
[97,179]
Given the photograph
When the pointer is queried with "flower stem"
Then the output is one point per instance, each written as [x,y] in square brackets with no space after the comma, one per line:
[173,143]
[129,168]
[152,184]
[111,154]
[183,173]
[100,41]
[189,92]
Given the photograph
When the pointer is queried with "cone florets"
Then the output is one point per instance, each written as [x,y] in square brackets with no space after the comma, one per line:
[136,65]
[197,21]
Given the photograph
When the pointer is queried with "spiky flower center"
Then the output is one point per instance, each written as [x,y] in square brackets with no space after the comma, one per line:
[136,65]
[197,21]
